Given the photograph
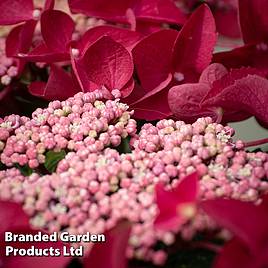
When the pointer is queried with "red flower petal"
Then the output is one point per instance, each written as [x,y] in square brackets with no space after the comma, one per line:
[234,116]
[212,73]
[153,108]
[228,80]
[148,27]
[234,254]
[152,58]
[195,43]
[241,56]
[49,4]
[184,101]
[128,88]
[248,55]
[15,11]
[60,85]
[233,215]
[81,76]
[57,28]
[227,22]
[37,88]
[137,93]
[168,218]
[150,94]
[153,10]
[111,253]
[254,20]
[106,63]
[187,189]
[159,11]
[12,216]
[249,94]
[125,37]
[168,202]
[106,9]
[42,53]
[19,39]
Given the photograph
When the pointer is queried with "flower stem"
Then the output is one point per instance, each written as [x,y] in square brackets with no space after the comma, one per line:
[256,142]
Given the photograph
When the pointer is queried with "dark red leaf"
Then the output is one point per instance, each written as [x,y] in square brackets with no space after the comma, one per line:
[15,11]
[195,43]
[57,28]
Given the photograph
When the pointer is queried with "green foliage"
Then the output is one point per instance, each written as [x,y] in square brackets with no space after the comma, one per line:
[52,160]
[24,170]
[124,147]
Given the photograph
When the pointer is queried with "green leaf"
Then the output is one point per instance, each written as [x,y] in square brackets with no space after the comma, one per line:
[24,170]
[124,147]
[52,160]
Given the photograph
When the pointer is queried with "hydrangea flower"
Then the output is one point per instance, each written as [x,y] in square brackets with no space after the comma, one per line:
[248,247]
[181,58]
[221,94]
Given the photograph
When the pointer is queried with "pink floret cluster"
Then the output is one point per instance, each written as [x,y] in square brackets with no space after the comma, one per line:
[83,121]
[226,168]
[94,187]
[8,66]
